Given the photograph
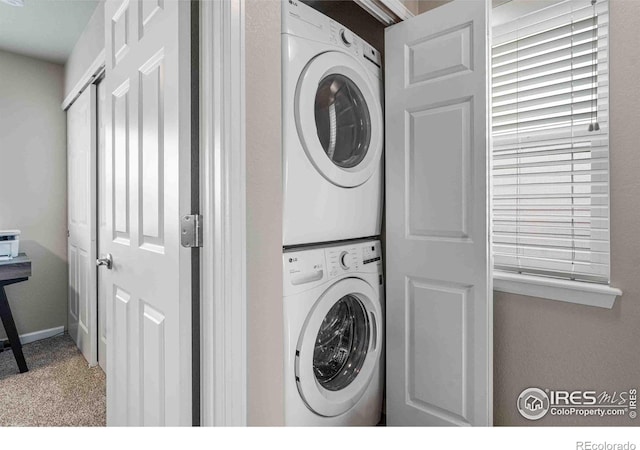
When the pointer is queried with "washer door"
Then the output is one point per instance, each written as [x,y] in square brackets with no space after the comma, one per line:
[339,347]
[339,119]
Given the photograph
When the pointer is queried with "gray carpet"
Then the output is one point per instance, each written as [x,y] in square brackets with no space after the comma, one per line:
[60,389]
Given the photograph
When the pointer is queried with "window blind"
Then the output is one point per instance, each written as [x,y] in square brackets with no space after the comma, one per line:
[550,142]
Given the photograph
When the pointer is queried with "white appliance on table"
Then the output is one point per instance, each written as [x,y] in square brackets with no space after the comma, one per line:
[9,244]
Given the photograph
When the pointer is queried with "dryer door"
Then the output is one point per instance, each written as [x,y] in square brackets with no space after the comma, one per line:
[339,119]
[339,347]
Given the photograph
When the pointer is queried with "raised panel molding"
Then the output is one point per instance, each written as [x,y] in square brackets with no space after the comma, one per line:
[120,32]
[151,154]
[83,289]
[148,10]
[432,171]
[438,329]
[121,346]
[72,176]
[120,163]
[454,47]
[152,359]
[82,161]
[73,278]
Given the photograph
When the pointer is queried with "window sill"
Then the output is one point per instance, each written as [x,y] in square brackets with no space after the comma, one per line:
[581,293]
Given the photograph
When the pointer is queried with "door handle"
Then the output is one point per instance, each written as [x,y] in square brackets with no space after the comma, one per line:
[106,261]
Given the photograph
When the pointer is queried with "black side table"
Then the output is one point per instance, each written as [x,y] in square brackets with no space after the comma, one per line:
[13,271]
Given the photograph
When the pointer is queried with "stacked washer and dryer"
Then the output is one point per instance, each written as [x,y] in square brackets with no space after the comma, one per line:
[333,190]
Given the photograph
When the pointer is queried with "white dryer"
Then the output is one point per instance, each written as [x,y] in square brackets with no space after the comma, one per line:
[332,130]
[333,316]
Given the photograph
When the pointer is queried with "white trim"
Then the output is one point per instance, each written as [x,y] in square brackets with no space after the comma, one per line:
[28,338]
[94,70]
[578,292]
[386,11]
[223,204]
[398,8]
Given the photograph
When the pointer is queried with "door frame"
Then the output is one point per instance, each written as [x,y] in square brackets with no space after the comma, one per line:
[223,337]
[223,301]
[90,76]
[96,80]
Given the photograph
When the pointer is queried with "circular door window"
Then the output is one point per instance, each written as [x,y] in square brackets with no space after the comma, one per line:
[342,120]
[338,348]
[342,344]
[339,118]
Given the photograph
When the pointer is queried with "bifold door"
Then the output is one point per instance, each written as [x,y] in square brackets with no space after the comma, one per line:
[81,248]
[439,293]
[147,190]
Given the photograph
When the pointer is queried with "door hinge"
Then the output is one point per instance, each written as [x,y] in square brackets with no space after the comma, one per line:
[191,231]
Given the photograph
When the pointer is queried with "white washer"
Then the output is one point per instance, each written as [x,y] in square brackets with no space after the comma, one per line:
[334,328]
[332,130]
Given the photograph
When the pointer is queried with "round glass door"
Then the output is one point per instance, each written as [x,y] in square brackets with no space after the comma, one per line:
[342,120]
[338,348]
[342,344]
[339,118]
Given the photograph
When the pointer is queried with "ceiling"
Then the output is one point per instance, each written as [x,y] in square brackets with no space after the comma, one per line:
[44,29]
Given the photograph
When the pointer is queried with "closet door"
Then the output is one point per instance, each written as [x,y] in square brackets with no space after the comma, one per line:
[81,248]
[439,292]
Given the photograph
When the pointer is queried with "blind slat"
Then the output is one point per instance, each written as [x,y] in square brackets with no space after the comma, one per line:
[555,37]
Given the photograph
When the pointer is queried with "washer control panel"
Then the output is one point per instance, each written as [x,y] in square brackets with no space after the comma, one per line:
[343,259]
[357,257]
[306,268]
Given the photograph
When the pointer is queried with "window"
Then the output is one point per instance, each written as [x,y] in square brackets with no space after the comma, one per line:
[551,142]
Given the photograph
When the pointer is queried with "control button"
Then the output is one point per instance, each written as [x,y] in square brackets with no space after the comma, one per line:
[343,260]
[347,37]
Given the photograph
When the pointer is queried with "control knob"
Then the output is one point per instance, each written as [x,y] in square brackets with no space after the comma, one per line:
[343,260]
[347,37]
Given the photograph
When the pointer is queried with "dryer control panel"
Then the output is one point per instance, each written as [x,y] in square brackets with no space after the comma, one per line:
[307,268]
[302,20]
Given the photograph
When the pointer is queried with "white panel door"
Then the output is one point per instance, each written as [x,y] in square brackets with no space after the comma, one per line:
[439,294]
[81,248]
[147,190]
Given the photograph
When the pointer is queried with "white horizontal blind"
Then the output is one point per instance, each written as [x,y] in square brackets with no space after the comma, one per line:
[550,172]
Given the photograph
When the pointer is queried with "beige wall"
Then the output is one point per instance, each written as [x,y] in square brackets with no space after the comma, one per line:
[265,344]
[426,5]
[564,346]
[88,47]
[33,181]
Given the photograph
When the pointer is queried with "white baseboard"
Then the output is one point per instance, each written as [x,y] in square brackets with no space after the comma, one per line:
[41,334]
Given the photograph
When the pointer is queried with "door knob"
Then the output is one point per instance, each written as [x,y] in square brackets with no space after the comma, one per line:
[106,261]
